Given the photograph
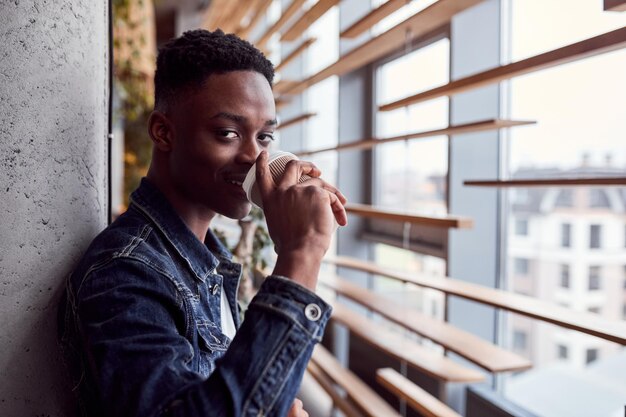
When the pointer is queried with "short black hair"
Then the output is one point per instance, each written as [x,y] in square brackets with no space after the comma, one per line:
[187,61]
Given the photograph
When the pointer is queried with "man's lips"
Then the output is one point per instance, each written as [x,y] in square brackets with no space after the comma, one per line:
[235,179]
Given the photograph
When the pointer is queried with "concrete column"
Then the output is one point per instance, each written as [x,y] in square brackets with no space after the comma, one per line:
[53,183]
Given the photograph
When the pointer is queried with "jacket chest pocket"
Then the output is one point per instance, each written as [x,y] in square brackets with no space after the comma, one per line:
[212,345]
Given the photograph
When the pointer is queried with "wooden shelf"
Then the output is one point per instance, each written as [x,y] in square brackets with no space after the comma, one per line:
[293,8]
[615,5]
[417,398]
[307,19]
[450,222]
[257,14]
[551,182]
[417,25]
[231,22]
[293,55]
[364,397]
[452,130]
[295,120]
[430,363]
[590,47]
[338,401]
[589,323]
[366,22]
[482,353]
[282,85]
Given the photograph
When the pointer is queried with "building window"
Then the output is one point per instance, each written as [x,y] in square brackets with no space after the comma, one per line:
[520,340]
[595,235]
[521,266]
[592,355]
[562,351]
[521,227]
[565,198]
[565,276]
[594,277]
[566,235]
[598,198]
[596,310]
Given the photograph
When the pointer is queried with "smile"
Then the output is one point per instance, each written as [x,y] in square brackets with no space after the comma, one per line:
[235,182]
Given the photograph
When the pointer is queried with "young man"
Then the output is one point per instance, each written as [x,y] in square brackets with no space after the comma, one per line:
[149,313]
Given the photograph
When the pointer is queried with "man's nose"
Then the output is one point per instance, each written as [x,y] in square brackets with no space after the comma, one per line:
[248,151]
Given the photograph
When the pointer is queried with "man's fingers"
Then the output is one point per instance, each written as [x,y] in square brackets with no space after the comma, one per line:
[338,209]
[295,169]
[296,409]
[263,175]
[321,183]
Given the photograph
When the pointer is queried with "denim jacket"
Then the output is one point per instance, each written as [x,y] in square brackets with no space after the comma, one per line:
[140,329]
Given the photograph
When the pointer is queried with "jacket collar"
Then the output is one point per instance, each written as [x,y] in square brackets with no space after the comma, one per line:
[201,258]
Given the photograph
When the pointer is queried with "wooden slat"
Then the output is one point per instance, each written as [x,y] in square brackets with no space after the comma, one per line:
[224,9]
[366,400]
[293,55]
[293,8]
[307,19]
[401,348]
[450,222]
[452,130]
[417,25]
[282,85]
[589,323]
[373,17]
[213,13]
[418,399]
[257,14]
[343,404]
[465,344]
[550,182]
[282,102]
[597,45]
[233,21]
[296,120]
[615,5]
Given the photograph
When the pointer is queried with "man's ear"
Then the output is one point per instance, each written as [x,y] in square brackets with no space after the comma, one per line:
[161,131]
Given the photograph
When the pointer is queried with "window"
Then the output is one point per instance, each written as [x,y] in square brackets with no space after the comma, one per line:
[594,277]
[565,276]
[562,145]
[521,266]
[592,355]
[562,352]
[565,198]
[595,234]
[566,235]
[596,310]
[521,227]
[520,340]
[598,198]
[411,175]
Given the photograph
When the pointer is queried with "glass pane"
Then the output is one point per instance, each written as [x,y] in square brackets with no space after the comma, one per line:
[574,250]
[412,174]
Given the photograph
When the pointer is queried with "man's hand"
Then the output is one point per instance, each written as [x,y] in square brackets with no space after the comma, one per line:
[300,217]
[296,409]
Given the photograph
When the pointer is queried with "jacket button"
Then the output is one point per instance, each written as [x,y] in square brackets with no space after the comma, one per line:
[313,312]
[215,288]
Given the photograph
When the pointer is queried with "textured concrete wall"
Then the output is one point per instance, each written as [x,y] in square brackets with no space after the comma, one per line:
[53,125]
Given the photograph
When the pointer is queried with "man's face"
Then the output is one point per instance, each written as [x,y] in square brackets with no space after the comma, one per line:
[220,129]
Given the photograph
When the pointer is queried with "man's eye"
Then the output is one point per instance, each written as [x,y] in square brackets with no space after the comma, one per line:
[227,134]
[266,137]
